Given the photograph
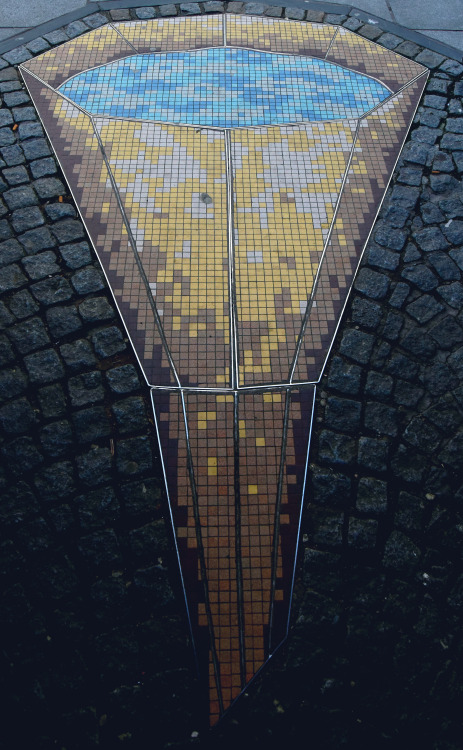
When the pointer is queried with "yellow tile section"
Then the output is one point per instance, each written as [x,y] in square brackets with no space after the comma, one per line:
[173,33]
[172,182]
[275,35]
[89,50]
[286,183]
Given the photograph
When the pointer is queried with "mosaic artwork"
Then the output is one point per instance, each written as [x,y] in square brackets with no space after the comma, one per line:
[228,170]
[224,87]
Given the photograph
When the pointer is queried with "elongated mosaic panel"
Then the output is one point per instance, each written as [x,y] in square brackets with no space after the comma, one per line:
[287,182]
[228,170]
[272,35]
[235,468]
[163,174]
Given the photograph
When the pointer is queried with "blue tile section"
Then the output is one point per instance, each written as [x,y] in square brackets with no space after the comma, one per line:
[224,87]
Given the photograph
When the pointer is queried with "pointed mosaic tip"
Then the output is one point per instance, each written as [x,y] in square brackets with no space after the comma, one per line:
[235,467]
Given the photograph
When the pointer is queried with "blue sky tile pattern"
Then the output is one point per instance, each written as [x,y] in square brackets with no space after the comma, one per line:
[224,87]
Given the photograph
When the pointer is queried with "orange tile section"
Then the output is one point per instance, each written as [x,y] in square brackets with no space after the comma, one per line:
[205,523]
[237,551]
[210,422]
[260,449]
[286,181]
[98,47]
[299,420]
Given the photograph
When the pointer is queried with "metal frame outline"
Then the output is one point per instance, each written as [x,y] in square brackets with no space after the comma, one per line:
[236,388]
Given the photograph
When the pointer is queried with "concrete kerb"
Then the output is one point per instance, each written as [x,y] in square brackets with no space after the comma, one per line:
[327,8]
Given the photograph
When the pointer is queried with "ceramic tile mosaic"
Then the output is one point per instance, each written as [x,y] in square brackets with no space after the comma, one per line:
[228,170]
[286,182]
[357,53]
[224,87]
[271,35]
[88,51]
[170,34]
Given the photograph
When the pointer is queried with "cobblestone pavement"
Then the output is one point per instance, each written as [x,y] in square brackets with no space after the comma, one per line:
[94,637]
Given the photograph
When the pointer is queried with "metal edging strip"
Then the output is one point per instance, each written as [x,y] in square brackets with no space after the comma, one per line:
[276,523]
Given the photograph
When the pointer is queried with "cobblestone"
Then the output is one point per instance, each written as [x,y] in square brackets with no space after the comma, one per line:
[63,321]
[56,438]
[52,400]
[29,335]
[17,416]
[123,379]
[373,453]
[16,175]
[42,167]
[56,211]
[78,354]
[362,533]
[67,230]
[23,456]
[337,450]
[11,277]
[37,239]
[381,419]
[52,290]
[378,384]
[23,114]
[421,276]
[41,265]
[452,294]
[87,280]
[86,389]
[49,187]
[94,467]
[134,456]
[380,257]
[55,481]
[91,424]
[343,414]
[22,305]
[400,552]
[26,218]
[108,341]
[12,155]
[357,345]
[44,367]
